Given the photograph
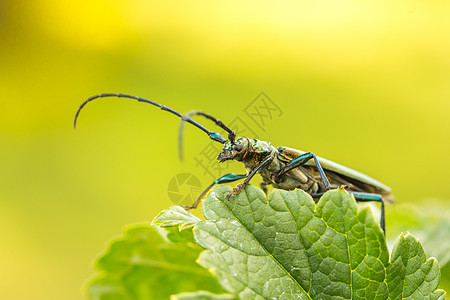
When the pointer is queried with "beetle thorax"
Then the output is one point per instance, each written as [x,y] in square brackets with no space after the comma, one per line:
[256,153]
[251,152]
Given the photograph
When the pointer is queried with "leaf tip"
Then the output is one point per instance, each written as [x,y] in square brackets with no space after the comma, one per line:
[175,216]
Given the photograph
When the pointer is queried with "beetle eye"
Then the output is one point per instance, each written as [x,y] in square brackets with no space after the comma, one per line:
[238,147]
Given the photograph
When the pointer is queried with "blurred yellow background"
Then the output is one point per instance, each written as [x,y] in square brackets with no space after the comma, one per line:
[366,84]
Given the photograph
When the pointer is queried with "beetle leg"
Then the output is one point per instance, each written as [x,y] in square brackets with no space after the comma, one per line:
[266,162]
[366,197]
[300,161]
[369,197]
[230,177]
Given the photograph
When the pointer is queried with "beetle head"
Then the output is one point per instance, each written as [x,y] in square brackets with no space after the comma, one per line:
[234,150]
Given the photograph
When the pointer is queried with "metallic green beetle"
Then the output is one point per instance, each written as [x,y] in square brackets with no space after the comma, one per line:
[282,167]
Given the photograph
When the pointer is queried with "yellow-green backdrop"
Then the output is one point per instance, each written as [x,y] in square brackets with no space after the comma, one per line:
[364,83]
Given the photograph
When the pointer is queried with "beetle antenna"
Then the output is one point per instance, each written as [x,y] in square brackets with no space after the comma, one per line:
[212,135]
[188,115]
[231,133]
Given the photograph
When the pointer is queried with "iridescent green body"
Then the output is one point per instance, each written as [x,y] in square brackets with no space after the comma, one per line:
[306,177]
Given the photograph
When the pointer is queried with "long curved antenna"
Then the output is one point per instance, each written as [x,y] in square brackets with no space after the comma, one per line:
[187,116]
[231,133]
[212,135]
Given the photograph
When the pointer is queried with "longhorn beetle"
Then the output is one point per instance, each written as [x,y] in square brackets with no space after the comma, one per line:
[282,167]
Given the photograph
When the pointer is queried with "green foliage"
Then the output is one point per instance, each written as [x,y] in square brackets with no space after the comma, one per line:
[430,225]
[283,246]
[151,263]
[201,295]
[410,274]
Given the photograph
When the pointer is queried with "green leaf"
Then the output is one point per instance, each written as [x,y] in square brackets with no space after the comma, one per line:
[283,246]
[151,263]
[411,275]
[287,247]
[430,225]
[176,216]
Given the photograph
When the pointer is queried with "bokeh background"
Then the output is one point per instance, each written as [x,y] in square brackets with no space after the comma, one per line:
[366,84]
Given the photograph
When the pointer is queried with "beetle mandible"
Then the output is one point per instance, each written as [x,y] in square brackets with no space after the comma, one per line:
[282,167]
